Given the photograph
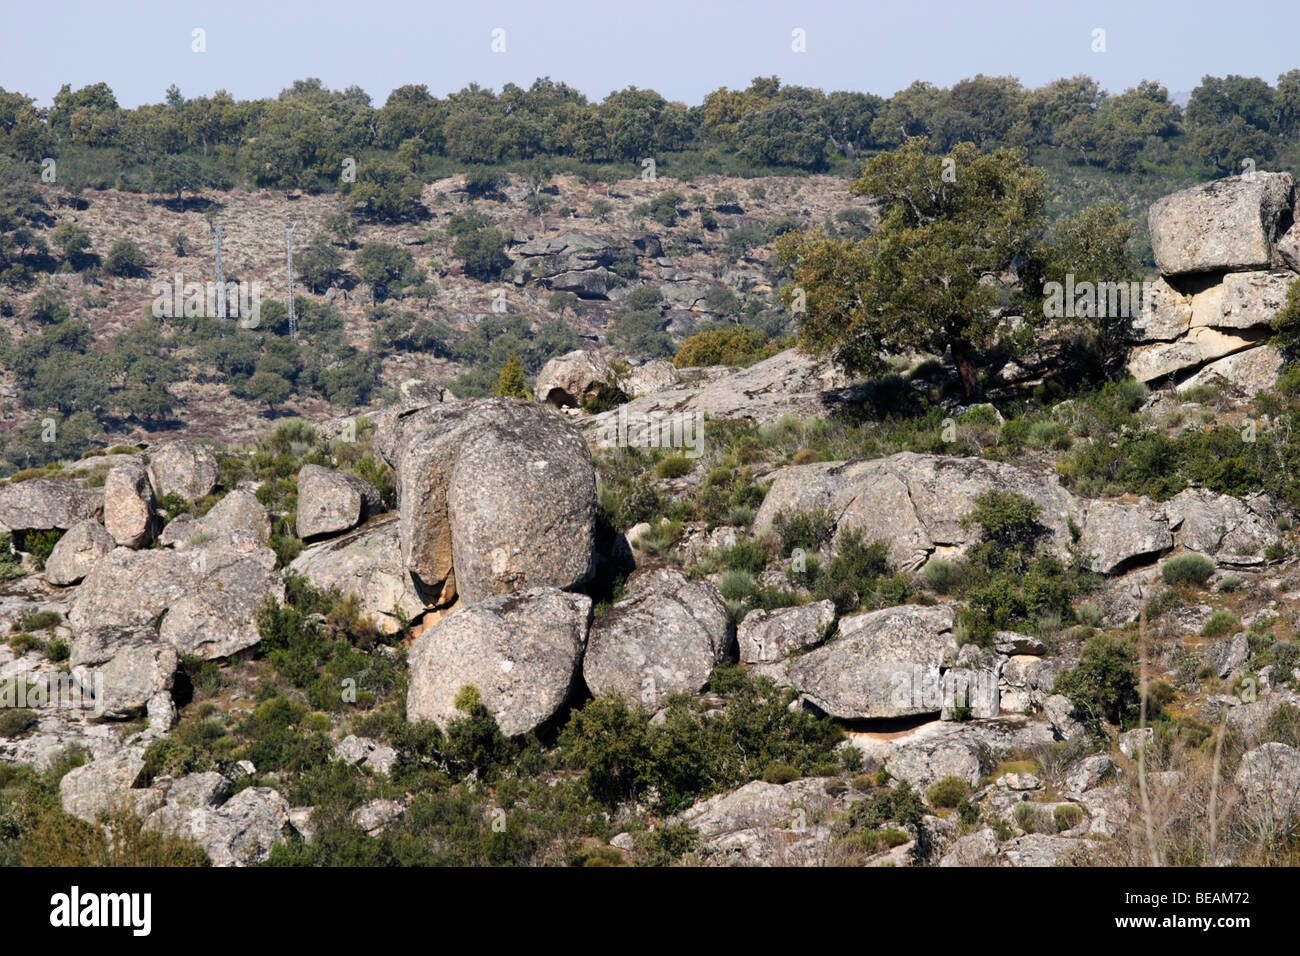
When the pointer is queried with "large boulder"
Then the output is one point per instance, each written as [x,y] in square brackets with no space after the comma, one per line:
[520,651]
[653,376]
[1222,226]
[219,617]
[1220,526]
[765,636]
[1269,778]
[76,553]
[975,849]
[501,492]
[916,503]
[365,752]
[185,468]
[576,378]
[925,762]
[1117,534]
[665,637]
[125,668]
[788,383]
[105,786]
[885,663]
[239,832]
[129,504]
[206,599]
[1245,373]
[1253,299]
[550,256]
[1199,346]
[763,824]
[591,284]
[1166,313]
[237,521]
[330,501]
[43,504]
[368,564]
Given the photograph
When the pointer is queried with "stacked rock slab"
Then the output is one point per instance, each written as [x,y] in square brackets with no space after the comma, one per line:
[1227,252]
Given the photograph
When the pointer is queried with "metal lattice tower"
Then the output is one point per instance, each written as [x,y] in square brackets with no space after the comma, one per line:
[217,233]
[288,254]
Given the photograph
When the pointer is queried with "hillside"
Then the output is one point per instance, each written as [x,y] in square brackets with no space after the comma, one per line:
[684,260]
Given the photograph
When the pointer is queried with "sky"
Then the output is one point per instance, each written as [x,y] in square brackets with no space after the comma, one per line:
[681,48]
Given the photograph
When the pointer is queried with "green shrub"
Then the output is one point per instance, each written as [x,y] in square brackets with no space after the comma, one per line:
[1034,818]
[1006,517]
[943,577]
[693,753]
[10,567]
[1103,685]
[808,530]
[856,573]
[1066,816]
[666,844]
[901,805]
[57,649]
[1187,569]
[1220,623]
[22,642]
[673,466]
[947,793]
[16,721]
[746,555]
[776,772]
[39,544]
[1230,583]
[125,258]
[40,620]
[733,345]
[737,585]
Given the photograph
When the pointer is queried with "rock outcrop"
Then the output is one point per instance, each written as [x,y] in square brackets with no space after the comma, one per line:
[788,383]
[766,636]
[665,637]
[240,831]
[129,504]
[917,504]
[1222,249]
[576,378]
[126,667]
[494,496]
[1229,225]
[203,601]
[366,563]
[763,824]
[184,468]
[520,651]
[885,663]
[76,553]
[330,502]
[43,504]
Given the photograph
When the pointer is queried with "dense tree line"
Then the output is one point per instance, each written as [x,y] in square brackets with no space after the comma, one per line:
[305,137]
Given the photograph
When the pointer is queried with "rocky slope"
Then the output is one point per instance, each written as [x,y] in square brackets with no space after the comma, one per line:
[489,585]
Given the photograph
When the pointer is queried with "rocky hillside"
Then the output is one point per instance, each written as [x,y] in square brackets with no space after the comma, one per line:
[567,272]
[762,615]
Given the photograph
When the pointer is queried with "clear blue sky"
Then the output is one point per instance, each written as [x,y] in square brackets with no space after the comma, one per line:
[682,49]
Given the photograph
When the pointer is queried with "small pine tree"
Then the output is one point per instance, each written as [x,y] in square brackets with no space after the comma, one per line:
[512,384]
